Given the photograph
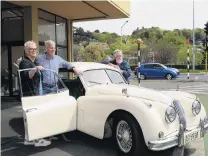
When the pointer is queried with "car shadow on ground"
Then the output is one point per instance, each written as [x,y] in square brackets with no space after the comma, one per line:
[17,124]
[80,144]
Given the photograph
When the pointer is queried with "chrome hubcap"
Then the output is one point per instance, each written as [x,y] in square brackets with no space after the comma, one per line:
[124,136]
[169,76]
[142,77]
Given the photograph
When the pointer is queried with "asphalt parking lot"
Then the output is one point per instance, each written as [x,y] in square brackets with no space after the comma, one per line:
[84,145]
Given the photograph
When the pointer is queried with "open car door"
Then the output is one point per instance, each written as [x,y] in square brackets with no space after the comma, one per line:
[48,109]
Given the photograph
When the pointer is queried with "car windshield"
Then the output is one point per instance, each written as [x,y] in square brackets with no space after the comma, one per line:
[164,66]
[102,76]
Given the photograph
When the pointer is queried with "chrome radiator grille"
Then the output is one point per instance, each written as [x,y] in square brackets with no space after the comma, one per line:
[180,111]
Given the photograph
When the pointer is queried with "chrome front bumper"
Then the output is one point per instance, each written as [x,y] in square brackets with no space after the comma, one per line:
[178,140]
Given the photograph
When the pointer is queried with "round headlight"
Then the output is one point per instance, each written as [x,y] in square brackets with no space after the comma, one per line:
[196,107]
[170,114]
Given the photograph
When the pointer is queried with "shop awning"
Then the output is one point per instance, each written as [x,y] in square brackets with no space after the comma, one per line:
[83,10]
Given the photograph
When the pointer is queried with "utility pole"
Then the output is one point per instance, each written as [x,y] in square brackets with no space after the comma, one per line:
[121,33]
[193,50]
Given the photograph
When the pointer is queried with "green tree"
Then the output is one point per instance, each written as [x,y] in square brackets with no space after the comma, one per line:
[182,56]
[165,52]
[93,53]
[170,43]
[187,33]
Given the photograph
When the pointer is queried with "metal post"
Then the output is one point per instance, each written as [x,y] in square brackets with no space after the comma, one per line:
[121,33]
[193,50]
[139,62]
[206,54]
[188,59]
[206,62]
[121,37]
[139,59]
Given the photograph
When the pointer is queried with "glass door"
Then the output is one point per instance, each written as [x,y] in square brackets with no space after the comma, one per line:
[4,71]
[16,53]
[9,80]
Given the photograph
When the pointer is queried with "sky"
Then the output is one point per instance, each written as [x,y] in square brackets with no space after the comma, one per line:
[166,14]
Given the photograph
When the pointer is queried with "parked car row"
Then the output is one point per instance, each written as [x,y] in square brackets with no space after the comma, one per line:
[156,70]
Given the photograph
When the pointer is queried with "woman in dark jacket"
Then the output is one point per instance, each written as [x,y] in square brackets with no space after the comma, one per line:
[30,81]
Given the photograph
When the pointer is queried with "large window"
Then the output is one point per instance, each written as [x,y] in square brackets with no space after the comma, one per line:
[46,26]
[46,30]
[61,31]
[62,52]
[53,27]
[12,24]
[41,50]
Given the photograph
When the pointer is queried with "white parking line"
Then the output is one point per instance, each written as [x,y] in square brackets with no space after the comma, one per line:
[196,92]
[195,86]
[8,149]
[202,90]
[195,89]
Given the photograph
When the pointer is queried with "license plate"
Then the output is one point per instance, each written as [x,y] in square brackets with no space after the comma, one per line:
[191,136]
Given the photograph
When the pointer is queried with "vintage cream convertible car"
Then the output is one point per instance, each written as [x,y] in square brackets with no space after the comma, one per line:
[101,104]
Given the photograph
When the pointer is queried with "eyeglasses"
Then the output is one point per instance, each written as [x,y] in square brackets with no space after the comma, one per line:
[32,49]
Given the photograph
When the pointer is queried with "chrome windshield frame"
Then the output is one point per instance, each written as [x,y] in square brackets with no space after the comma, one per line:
[105,69]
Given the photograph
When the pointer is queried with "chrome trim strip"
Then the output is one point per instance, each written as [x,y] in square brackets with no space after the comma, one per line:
[170,142]
[163,144]
[181,113]
[204,130]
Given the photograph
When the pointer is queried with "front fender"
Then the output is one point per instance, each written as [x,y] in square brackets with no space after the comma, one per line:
[94,111]
[171,72]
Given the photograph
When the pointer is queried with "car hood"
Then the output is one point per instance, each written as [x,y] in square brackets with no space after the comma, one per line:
[173,69]
[132,91]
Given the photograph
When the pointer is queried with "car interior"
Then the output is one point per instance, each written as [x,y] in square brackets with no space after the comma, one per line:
[75,87]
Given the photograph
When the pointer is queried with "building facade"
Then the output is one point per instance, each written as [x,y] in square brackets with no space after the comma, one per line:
[42,20]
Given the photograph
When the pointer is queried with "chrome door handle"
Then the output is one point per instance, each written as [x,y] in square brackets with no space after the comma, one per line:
[31,110]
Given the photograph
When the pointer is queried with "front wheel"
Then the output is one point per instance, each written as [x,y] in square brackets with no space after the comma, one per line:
[128,136]
[169,76]
[142,77]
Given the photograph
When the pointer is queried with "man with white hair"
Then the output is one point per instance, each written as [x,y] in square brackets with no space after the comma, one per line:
[120,64]
[31,81]
[51,61]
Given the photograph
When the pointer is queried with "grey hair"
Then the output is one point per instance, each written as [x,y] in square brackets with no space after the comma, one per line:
[28,44]
[49,42]
[117,51]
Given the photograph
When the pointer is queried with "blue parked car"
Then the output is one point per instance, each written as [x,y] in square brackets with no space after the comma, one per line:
[157,70]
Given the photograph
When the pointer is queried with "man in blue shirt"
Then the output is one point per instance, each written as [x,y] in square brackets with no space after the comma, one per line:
[53,62]
[120,64]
